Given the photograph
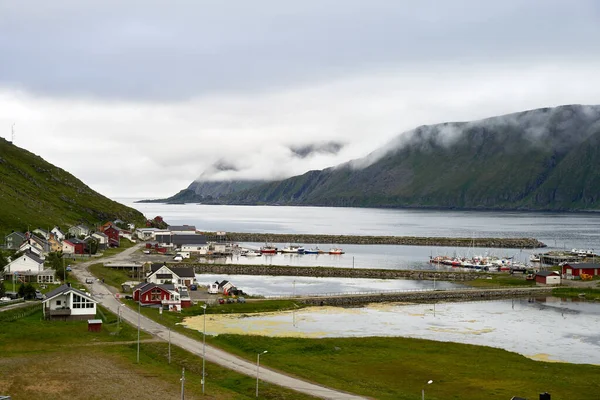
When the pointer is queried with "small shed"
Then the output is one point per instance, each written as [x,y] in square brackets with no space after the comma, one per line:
[94,325]
[547,278]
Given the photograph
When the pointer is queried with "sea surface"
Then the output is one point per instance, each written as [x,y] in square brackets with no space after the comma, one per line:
[556,230]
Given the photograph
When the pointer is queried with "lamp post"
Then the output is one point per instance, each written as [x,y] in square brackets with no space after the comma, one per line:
[203,348]
[257,367]
[429,382]
[139,318]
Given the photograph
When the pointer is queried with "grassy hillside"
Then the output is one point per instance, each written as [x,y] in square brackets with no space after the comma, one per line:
[542,159]
[34,193]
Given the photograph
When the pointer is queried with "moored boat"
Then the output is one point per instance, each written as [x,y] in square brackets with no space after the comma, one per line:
[336,250]
[268,249]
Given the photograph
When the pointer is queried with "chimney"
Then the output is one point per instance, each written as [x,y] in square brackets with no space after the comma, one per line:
[69,284]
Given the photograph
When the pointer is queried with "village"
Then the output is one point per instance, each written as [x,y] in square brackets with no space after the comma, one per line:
[42,259]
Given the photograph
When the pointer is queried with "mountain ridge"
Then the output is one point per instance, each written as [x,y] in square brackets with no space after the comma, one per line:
[542,159]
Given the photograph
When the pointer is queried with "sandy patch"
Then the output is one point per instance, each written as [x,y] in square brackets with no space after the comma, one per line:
[467,331]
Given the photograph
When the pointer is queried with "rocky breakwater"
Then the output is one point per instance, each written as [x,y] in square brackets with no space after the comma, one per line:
[323,272]
[514,243]
[428,296]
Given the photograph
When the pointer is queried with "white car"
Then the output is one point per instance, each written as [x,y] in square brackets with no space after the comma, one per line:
[177,258]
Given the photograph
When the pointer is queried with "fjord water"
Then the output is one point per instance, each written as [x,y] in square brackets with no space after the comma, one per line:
[557,230]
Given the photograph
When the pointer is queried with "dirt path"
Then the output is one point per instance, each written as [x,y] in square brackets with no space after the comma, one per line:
[105,296]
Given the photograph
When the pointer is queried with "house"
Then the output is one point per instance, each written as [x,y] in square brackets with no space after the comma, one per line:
[171,239]
[14,240]
[113,236]
[40,243]
[180,276]
[79,246]
[148,233]
[150,294]
[102,240]
[54,243]
[42,233]
[79,230]
[28,247]
[213,288]
[29,261]
[189,229]
[29,268]
[68,303]
[58,234]
[106,225]
[547,278]
[225,287]
[572,270]
[194,248]
[68,247]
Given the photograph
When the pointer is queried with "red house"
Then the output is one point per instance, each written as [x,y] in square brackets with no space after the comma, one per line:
[113,236]
[151,293]
[576,269]
[78,245]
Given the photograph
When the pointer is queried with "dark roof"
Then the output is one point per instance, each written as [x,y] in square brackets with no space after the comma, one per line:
[223,283]
[144,287]
[156,266]
[547,273]
[178,240]
[21,235]
[99,234]
[164,276]
[181,228]
[583,265]
[65,289]
[183,272]
[76,241]
[33,256]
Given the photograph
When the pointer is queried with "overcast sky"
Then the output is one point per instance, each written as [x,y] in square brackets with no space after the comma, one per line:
[139,98]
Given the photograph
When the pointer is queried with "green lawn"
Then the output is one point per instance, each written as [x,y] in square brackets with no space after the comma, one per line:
[587,293]
[112,276]
[68,362]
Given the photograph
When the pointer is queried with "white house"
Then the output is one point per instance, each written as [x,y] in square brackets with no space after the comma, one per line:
[29,268]
[27,262]
[58,233]
[68,247]
[79,230]
[148,233]
[28,247]
[66,302]
[195,248]
[179,276]
[102,240]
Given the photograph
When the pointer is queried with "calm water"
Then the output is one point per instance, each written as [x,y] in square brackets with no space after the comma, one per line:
[543,329]
[557,230]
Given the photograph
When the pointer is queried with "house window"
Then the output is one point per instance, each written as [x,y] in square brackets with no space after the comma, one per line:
[58,302]
[156,295]
[81,302]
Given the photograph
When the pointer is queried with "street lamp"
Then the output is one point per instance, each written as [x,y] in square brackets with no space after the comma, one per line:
[203,347]
[257,366]
[429,382]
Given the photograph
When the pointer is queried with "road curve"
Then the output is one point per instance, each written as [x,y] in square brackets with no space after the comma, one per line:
[107,299]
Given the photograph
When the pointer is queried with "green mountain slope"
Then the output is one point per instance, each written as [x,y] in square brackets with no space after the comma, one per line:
[546,159]
[207,191]
[35,193]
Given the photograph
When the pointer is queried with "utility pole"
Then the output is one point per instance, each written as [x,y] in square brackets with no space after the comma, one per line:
[138,341]
[183,384]
[169,345]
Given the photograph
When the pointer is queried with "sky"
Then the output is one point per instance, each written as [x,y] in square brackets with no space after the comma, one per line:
[140,98]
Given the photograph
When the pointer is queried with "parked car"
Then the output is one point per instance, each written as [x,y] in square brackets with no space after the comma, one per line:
[230,300]
[241,299]
[69,268]
[89,280]
[193,287]
[177,258]
[221,301]
[39,295]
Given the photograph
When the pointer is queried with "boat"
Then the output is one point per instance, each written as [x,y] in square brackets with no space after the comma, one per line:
[336,250]
[293,249]
[268,249]
[534,258]
[313,250]
[251,253]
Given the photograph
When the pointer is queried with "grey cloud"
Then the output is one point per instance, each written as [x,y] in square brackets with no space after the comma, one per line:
[155,50]
[307,150]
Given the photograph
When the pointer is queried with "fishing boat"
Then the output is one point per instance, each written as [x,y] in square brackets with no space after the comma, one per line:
[250,253]
[336,250]
[313,250]
[534,258]
[268,249]
[293,249]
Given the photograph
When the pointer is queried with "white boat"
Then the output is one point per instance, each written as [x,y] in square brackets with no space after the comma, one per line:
[534,258]
[250,253]
[293,249]
[336,250]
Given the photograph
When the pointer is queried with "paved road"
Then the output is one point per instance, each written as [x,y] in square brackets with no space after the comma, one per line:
[102,293]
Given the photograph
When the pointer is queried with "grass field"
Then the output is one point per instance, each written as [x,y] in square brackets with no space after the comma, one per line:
[61,360]
[501,280]
[571,292]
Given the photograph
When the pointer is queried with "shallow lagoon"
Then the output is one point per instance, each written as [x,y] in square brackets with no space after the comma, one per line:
[547,329]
